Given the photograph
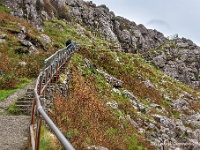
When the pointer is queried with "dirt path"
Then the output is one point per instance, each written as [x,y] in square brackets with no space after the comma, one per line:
[13,129]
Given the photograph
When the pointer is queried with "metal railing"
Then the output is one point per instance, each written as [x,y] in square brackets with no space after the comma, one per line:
[52,66]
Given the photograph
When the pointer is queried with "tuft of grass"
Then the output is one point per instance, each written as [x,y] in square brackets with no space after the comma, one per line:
[13,109]
[6,93]
[2,8]
[48,141]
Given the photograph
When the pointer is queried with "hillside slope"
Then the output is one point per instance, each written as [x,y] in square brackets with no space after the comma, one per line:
[126,36]
[118,101]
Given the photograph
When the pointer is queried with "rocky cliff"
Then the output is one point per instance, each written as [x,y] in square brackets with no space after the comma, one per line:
[116,99]
[177,58]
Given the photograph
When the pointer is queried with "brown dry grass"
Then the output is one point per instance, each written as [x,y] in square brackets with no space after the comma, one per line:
[87,120]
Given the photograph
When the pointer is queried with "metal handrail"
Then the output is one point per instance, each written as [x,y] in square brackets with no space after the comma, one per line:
[51,68]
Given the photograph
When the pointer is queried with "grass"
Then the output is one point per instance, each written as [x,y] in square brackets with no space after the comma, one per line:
[84,116]
[48,141]
[13,72]
[6,93]
[86,119]
[14,110]
[2,8]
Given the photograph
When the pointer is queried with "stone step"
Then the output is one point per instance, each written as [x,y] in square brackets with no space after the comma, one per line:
[25,112]
[23,106]
[23,102]
[26,99]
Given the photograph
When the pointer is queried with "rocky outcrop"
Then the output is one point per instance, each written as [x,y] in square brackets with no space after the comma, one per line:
[178,59]
[126,35]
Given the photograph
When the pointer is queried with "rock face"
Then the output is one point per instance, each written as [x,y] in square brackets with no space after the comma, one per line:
[178,59]
[126,35]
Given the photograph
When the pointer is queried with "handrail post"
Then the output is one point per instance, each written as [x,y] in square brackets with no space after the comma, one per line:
[37,143]
[40,85]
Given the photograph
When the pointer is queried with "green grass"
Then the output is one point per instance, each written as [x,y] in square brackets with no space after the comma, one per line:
[6,93]
[48,140]
[2,8]
[14,110]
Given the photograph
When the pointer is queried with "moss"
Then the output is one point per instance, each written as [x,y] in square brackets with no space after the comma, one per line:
[3,8]
[13,109]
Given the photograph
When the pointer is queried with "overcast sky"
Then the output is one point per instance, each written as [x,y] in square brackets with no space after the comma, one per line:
[167,16]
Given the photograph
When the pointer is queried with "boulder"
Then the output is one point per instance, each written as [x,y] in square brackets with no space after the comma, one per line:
[165,122]
[2,41]
[129,95]
[26,43]
[110,79]
[45,40]
[33,50]
[23,64]
[3,36]
[180,104]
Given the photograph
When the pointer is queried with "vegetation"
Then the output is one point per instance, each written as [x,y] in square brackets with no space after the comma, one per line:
[84,115]
[48,140]
[14,110]
[85,112]
[2,8]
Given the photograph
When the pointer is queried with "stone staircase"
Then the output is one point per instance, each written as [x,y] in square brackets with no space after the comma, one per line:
[24,104]
[14,128]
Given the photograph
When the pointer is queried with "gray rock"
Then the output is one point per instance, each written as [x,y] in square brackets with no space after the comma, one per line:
[3,36]
[81,30]
[182,45]
[21,35]
[148,84]
[45,14]
[155,106]
[23,29]
[26,43]
[114,105]
[128,117]
[180,104]
[94,147]
[23,64]
[88,63]
[180,62]
[45,39]
[165,122]
[195,117]
[110,79]
[129,95]
[196,134]
[2,41]
[33,50]
[117,91]
[159,61]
